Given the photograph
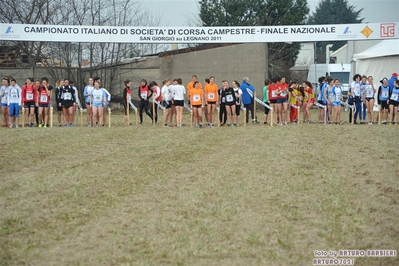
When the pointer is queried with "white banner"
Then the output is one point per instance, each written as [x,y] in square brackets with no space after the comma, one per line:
[110,34]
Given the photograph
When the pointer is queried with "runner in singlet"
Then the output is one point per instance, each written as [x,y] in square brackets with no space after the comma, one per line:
[59,85]
[369,92]
[157,98]
[282,100]
[68,102]
[14,102]
[4,90]
[336,102]
[29,96]
[178,99]
[43,100]
[211,97]
[355,90]
[308,101]
[127,97]
[166,101]
[266,100]
[196,96]
[328,97]
[87,92]
[320,98]
[145,94]
[107,105]
[363,85]
[238,93]
[272,90]
[98,101]
[383,97]
[230,103]
[294,100]
[394,102]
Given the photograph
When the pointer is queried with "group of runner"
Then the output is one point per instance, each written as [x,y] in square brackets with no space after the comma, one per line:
[173,97]
[284,98]
[36,99]
[362,96]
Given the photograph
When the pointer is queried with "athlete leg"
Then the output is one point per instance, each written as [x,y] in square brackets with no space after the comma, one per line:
[40,115]
[285,110]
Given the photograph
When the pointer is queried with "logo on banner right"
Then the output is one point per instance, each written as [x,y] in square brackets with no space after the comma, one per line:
[387,30]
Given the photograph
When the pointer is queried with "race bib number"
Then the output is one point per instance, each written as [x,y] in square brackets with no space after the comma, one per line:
[394,97]
[67,96]
[369,94]
[144,95]
[29,96]
[274,94]
[283,94]
[229,98]
[43,98]
[98,98]
[331,98]
[14,96]
[196,97]
[384,94]
[211,96]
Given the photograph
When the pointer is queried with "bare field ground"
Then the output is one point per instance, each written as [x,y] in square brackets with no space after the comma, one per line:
[151,195]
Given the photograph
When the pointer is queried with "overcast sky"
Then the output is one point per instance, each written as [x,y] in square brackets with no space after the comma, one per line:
[176,13]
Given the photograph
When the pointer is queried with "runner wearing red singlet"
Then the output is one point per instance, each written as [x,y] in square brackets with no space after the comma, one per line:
[282,100]
[29,95]
[43,101]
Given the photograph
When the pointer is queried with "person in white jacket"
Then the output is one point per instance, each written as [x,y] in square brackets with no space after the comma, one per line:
[4,97]
[14,102]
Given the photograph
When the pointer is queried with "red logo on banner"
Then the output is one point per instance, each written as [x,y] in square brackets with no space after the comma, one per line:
[387,30]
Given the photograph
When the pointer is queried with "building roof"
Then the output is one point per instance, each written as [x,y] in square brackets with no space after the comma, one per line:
[384,48]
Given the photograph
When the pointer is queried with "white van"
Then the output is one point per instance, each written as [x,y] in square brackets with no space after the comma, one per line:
[336,71]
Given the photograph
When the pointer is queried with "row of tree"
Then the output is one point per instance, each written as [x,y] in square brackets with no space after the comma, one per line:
[282,56]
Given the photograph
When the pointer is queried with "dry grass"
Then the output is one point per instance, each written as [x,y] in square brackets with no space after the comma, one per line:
[225,196]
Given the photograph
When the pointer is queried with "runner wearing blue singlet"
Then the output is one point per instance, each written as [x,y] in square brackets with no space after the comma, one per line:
[383,97]
[87,92]
[328,97]
[336,101]
[320,98]
[97,102]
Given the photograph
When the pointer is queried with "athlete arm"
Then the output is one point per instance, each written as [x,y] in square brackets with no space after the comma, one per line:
[77,98]
[107,95]
[20,96]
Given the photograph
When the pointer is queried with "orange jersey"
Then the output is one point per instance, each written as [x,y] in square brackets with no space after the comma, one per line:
[211,92]
[196,96]
[190,86]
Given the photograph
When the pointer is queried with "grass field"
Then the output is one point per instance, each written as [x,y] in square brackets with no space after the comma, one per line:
[150,195]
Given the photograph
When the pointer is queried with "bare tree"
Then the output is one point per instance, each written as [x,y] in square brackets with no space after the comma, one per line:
[103,58]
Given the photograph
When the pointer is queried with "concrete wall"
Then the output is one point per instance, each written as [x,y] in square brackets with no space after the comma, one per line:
[230,62]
